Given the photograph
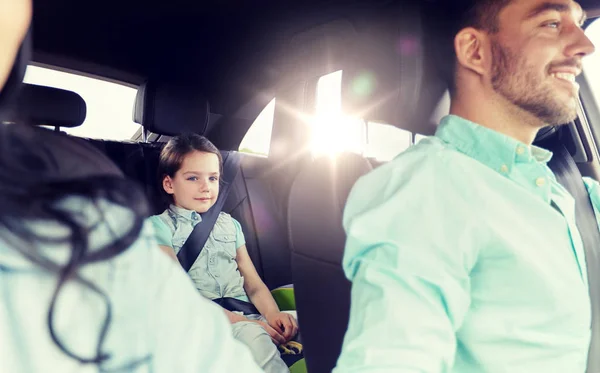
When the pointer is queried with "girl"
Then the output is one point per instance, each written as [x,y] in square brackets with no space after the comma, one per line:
[190,167]
[82,284]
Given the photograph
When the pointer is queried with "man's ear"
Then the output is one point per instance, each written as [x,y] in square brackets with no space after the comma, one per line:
[167,184]
[473,50]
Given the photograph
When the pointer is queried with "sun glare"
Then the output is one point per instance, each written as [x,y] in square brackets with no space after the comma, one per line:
[333,131]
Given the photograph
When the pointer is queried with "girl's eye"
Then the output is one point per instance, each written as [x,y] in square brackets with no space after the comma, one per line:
[214,178]
[192,178]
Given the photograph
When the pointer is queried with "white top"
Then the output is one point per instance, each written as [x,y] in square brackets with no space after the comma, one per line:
[156,311]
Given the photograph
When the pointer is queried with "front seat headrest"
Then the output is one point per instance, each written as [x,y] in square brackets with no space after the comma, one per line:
[168,108]
[40,105]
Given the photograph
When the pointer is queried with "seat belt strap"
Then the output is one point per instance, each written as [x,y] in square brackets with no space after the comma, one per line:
[194,244]
[567,174]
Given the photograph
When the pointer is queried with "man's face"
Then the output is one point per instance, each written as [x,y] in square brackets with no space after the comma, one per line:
[536,56]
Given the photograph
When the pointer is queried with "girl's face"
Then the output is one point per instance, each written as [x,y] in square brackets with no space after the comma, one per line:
[195,186]
[15,16]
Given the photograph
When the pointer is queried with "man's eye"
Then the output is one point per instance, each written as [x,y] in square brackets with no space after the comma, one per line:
[554,24]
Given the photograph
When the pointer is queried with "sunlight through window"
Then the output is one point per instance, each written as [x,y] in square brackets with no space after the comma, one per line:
[332,131]
[591,63]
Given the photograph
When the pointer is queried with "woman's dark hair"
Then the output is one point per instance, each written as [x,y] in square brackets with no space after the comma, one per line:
[172,155]
[39,169]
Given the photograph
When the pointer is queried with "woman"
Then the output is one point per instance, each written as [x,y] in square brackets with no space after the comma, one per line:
[83,284]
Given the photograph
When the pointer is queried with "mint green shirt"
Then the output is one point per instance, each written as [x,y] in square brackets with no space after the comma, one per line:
[464,257]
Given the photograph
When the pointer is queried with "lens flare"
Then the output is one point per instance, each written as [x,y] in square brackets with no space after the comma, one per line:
[364,84]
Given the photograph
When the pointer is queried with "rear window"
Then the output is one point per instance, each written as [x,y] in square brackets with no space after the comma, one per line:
[258,138]
[109,105]
[591,64]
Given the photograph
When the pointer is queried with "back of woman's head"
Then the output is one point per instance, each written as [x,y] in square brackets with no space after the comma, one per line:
[39,170]
[175,151]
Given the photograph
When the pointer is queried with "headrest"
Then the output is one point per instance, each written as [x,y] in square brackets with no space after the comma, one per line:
[40,105]
[171,109]
[391,77]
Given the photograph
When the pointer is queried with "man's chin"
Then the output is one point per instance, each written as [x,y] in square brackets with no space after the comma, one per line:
[562,112]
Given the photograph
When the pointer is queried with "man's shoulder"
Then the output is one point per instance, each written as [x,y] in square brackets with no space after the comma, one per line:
[430,169]
[430,156]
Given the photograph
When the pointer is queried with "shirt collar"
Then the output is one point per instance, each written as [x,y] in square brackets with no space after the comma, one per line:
[185,213]
[497,151]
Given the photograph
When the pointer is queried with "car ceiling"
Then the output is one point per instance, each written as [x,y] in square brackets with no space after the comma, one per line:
[229,47]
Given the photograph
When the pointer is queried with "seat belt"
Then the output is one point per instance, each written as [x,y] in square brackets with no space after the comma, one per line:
[194,244]
[566,172]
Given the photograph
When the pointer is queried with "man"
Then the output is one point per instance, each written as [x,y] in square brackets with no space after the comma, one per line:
[463,252]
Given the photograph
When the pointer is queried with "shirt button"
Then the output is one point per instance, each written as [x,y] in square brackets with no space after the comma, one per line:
[540,181]
[504,169]
[520,150]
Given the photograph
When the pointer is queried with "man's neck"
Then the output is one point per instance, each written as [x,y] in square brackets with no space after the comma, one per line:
[499,115]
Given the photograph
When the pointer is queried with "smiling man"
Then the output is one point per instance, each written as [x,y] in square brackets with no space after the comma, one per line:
[463,251]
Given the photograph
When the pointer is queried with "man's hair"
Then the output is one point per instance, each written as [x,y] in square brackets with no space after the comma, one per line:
[482,14]
[173,154]
[479,14]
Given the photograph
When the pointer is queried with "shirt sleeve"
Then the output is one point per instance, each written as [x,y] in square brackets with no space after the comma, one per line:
[162,233]
[409,258]
[240,239]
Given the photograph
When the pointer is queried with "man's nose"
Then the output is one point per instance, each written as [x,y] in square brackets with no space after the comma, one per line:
[581,45]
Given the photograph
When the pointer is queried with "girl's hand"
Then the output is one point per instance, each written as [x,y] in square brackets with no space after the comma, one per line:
[284,323]
[275,335]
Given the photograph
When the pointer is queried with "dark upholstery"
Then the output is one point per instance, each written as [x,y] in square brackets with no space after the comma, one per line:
[249,200]
[40,105]
[139,162]
[169,108]
[317,240]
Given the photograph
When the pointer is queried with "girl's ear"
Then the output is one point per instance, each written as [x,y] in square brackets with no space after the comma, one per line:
[167,184]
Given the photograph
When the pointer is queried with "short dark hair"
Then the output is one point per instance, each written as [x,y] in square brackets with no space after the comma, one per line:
[172,155]
[482,15]
[479,14]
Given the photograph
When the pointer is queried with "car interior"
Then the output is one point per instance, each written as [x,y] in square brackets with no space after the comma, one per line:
[211,67]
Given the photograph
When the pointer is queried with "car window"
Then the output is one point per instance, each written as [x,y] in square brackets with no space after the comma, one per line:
[257,140]
[109,105]
[385,141]
[335,131]
[591,63]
